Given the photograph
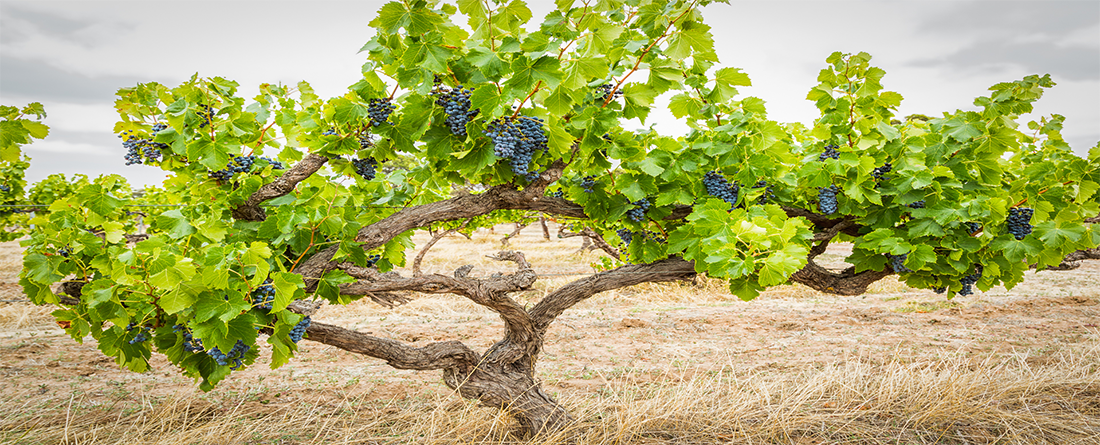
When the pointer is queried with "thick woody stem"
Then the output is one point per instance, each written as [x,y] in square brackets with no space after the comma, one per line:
[251,211]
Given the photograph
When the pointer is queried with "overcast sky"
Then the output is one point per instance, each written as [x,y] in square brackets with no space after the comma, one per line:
[72,56]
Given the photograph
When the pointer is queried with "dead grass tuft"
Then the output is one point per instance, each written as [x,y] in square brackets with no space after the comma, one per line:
[15,316]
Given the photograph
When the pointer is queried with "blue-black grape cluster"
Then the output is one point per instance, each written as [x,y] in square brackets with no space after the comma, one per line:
[897,262]
[242,164]
[720,188]
[235,355]
[142,150]
[206,114]
[299,330]
[331,132]
[65,252]
[830,152]
[973,227]
[637,214]
[626,236]
[5,188]
[607,90]
[557,193]
[826,199]
[917,205]
[969,280]
[379,111]
[880,172]
[588,184]
[263,296]
[939,290]
[190,344]
[456,105]
[517,139]
[1019,222]
[365,167]
[769,192]
[373,259]
[141,336]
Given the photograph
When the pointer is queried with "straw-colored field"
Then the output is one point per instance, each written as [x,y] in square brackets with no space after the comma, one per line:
[669,363]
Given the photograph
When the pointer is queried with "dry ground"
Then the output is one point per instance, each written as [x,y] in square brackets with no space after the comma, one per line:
[668,363]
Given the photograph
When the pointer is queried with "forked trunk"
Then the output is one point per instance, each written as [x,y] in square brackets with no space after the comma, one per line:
[505,382]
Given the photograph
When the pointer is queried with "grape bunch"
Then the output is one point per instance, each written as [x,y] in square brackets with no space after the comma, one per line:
[558,193]
[5,188]
[137,147]
[880,172]
[190,344]
[365,167]
[206,114]
[299,330]
[769,192]
[826,199]
[637,214]
[916,205]
[654,236]
[263,296]
[830,152]
[330,132]
[626,236]
[235,355]
[939,290]
[64,251]
[141,336]
[456,105]
[969,281]
[588,184]
[373,259]
[517,139]
[719,187]
[379,111]
[242,164]
[973,227]
[606,91]
[897,262]
[1019,222]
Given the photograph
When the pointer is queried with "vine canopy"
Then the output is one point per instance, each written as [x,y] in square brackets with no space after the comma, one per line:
[498,104]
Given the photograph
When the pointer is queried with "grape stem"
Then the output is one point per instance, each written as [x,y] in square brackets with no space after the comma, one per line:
[492,43]
[260,140]
[1040,193]
[520,107]
[561,52]
[638,63]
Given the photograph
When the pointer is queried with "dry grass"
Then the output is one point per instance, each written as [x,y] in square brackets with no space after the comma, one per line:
[949,401]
